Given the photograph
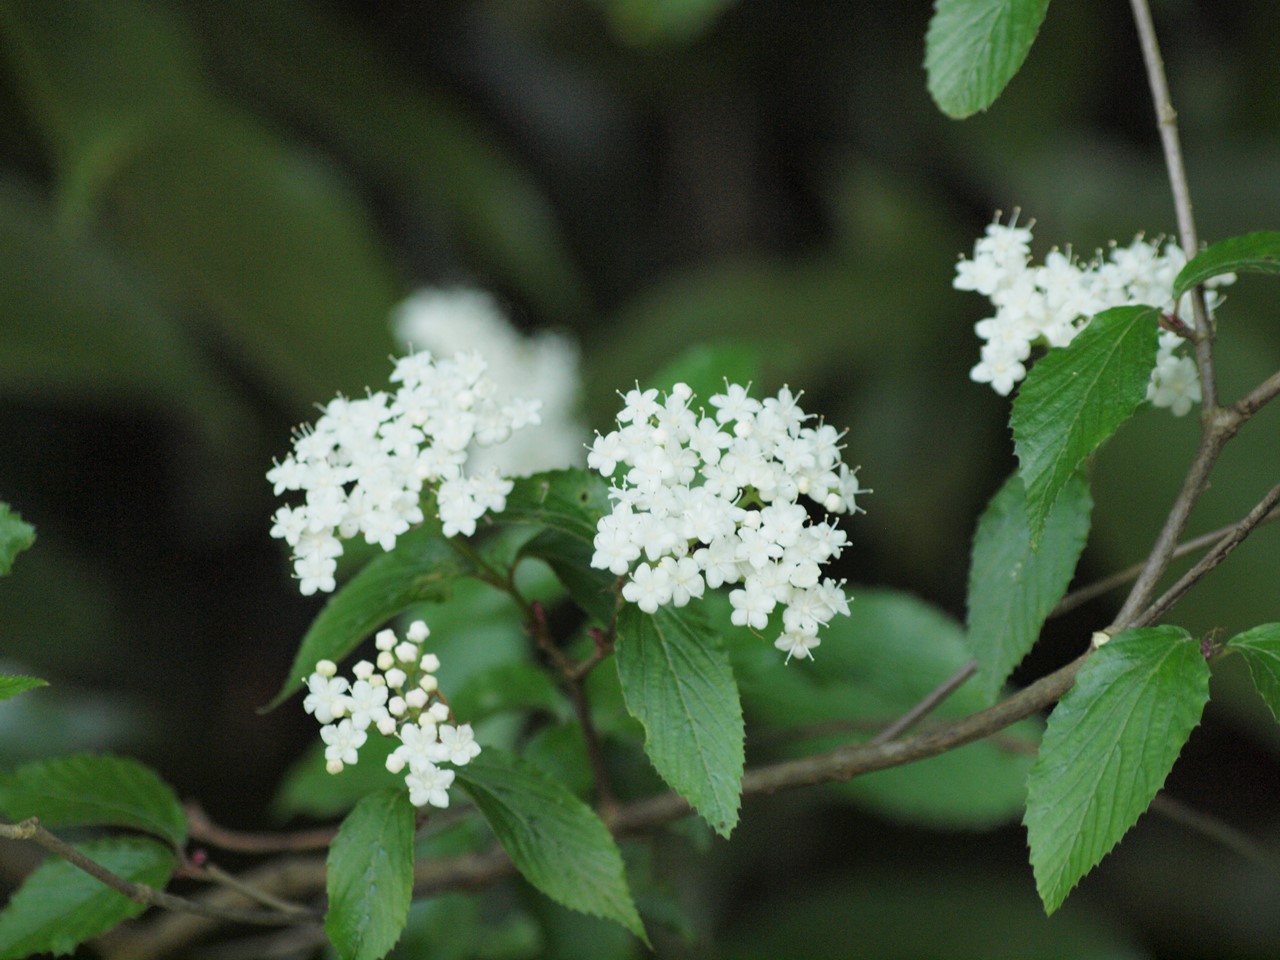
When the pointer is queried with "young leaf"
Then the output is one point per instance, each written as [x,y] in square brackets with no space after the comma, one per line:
[556,842]
[1252,253]
[974,47]
[59,906]
[1107,749]
[571,501]
[678,683]
[422,567]
[1074,398]
[370,876]
[1260,648]
[12,686]
[97,790]
[16,535]
[1013,585]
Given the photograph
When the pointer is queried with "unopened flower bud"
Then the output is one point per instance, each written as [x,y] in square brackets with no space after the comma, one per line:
[395,763]
[417,699]
[396,706]
[386,660]
[396,678]
[428,683]
[429,662]
[418,631]
[385,639]
[406,652]
[363,670]
[326,668]
[333,766]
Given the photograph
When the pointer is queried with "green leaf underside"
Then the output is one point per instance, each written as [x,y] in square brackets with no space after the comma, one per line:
[1075,397]
[94,790]
[973,48]
[59,906]
[370,876]
[555,840]
[11,686]
[1012,585]
[1260,648]
[16,535]
[422,567]
[571,501]
[678,682]
[1251,253]
[1107,749]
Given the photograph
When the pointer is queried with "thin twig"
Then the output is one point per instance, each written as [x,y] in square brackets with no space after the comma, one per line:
[1104,586]
[930,702]
[1217,830]
[1259,397]
[32,830]
[203,830]
[218,875]
[1233,539]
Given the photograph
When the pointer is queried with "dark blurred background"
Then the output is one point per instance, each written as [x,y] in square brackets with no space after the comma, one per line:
[208,210]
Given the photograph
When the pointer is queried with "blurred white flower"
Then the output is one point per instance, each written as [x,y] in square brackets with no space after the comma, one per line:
[542,367]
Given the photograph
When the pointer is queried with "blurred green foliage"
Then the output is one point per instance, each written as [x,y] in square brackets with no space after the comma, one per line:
[207,210]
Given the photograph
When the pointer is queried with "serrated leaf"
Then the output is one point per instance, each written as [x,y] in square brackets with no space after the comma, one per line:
[1012,585]
[677,681]
[571,501]
[94,790]
[1260,648]
[555,840]
[422,567]
[370,876]
[706,366]
[1075,397]
[973,48]
[1251,253]
[16,535]
[59,906]
[11,686]
[569,557]
[1107,749]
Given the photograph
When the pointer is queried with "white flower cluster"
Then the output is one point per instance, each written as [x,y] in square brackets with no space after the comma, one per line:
[364,463]
[545,366]
[399,698]
[1051,303]
[712,500]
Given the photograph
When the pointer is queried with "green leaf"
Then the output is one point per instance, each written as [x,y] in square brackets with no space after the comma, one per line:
[16,535]
[370,876]
[59,906]
[11,686]
[421,567]
[97,790]
[569,557]
[678,683]
[1075,397]
[1107,749]
[555,840]
[571,501]
[1260,648]
[1251,253]
[1013,585]
[706,366]
[973,48]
